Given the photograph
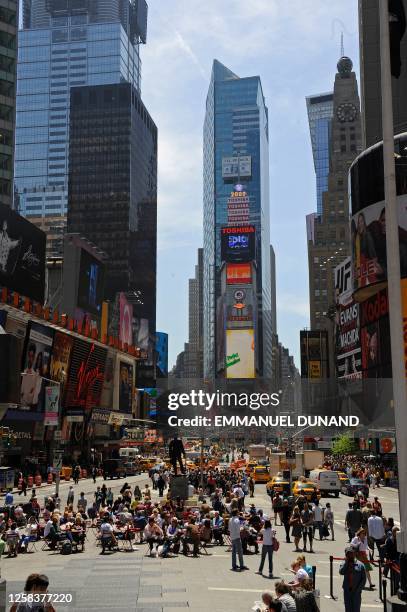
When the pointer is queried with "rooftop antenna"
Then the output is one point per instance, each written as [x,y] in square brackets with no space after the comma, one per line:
[342,47]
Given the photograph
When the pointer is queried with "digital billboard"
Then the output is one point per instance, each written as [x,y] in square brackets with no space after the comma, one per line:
[234,167]
[314,354]
[240,306]
[61,355]
[36,365]
[240,353]
[238,274]
[22,255]
[369,255]
[161,347]
[238,244]
[86,376]
[91,283]
[375,336]
[126,320]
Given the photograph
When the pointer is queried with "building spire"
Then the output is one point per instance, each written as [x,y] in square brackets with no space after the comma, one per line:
[342,47]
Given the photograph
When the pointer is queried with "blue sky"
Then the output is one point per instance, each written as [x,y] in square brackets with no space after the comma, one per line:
[293,45]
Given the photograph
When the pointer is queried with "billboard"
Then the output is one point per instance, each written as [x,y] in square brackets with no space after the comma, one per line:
[314,354]
[124,386]
[234,167]
[22,255]
[344,282]
[240,353]
[161,347]
[348,348]
[36,365]
[375,336]
[125,321]
[106,397]
[368,232]
[238,274]
[91,283]
[86,376]
[238,244]
[61,355]
[141,334]
[387,446]
[240,306]
[238,207]
[52,395]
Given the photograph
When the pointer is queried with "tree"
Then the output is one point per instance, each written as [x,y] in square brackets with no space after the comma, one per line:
[344,445]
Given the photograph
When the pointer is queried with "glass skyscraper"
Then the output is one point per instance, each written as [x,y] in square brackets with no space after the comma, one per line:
[65,44]
[320,112]
[236,124]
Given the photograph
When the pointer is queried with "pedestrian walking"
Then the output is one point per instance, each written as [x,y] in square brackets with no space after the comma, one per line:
[94,473]
[307,520]
[361,548]
[296,525]
[267,550]
[329,520]
[23,487]
[160,485]
[354,580]
[237,549]
[285,519]
[71,496]
[251,486]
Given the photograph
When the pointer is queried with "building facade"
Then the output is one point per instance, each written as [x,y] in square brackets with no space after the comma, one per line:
[331,242]
[113,188]
[320,113]
[369,43]
[236,193]
[64,45]
[8,65]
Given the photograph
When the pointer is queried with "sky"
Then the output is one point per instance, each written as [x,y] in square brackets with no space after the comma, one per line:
[294,46]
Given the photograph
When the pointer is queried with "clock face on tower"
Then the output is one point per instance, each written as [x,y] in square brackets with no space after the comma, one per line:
[346,112]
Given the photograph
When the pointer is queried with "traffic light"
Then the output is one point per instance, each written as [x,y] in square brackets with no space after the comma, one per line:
[370,442]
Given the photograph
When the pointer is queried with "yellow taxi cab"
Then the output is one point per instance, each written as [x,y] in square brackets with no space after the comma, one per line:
[260,474]
[343,478]
[250,467]
[278,484]
[306,488]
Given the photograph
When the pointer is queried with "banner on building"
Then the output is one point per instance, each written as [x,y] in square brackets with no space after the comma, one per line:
[22,255]
[36,365]
[126,320]
[234,167]
[240,360]
[52,395]
[314,354]
[60,359]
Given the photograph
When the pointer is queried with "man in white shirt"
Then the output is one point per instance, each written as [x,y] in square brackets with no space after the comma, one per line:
[237,549]
[318,518]
[376,532]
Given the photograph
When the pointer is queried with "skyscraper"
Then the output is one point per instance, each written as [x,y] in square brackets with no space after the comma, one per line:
[8,63]
[63,45]
[331,240]
[273,285]
[236,195]
[320,112]
[369,43]
[113,188]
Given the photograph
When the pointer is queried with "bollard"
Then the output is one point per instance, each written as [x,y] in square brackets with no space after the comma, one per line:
[3,595]
[331,577]
[314,571]
[384,587]
[380,581]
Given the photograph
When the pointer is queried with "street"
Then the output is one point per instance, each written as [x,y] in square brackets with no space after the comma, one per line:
[142,583]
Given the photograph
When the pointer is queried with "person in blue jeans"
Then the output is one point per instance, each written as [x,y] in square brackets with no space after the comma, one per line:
[237,549]
[267,549]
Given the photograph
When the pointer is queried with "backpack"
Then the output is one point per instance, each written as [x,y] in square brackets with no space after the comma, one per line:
[276,545]
[66,547]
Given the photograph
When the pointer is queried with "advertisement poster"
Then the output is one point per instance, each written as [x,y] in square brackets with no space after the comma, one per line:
[52,395]
[161,347]
[368,234]
[126,320]
[36,366]
[91,283]
[126,385]
[22,255]
[141,334]
[234,167]
[238,274]
[86,375]
[375,335]
[61,354]
[106,398]
[240,353]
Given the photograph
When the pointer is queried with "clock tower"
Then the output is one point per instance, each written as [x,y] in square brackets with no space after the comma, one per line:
[331,240]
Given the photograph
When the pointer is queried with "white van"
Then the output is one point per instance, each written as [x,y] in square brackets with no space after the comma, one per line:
[327,481]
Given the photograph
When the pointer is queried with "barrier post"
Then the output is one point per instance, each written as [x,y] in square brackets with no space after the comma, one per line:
[3,595]
[331,577]
[314,571]
[384,586]
[380,581]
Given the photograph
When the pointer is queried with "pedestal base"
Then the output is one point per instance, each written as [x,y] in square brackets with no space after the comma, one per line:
[179,486]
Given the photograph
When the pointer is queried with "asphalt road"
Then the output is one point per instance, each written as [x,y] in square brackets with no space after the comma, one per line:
[125,581]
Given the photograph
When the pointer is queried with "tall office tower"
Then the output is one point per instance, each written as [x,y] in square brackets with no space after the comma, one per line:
[369,43]
[190,360]
[8,64]
[331,242]
[65,44]
[320,112]
[113,188]
[236,228]
[273,287]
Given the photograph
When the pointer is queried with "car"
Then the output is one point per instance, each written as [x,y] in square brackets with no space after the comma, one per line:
[355,485]
[343,478]
[278,484]
[250,467]
[260,474]
[306,488]
[131,468]
[113,468]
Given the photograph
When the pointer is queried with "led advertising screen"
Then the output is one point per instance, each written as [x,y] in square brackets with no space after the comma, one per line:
[61,354]
[234,167]
[368,232]
[238,244]
[238,274]
[126,320]
[161,347]
[91,283]
[22,255]
[36,365]
[240,353]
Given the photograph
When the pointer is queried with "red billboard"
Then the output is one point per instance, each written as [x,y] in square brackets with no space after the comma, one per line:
[239,274]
